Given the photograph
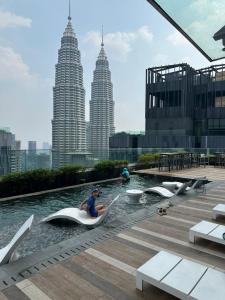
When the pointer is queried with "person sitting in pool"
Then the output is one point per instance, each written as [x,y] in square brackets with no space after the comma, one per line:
[125,174]
[92,209]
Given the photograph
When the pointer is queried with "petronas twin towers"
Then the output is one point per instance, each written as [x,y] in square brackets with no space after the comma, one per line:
[101,107]
[68,124]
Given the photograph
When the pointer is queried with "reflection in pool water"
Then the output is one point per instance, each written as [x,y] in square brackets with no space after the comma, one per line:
[14,213]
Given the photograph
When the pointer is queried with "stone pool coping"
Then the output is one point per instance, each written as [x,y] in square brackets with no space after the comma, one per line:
[27,266]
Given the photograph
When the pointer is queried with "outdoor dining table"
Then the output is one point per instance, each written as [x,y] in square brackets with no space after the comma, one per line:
[169,158]
[177,160]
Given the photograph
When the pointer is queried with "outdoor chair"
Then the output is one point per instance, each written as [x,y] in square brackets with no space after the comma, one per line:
[182,278]
[198,185]
[218,210]
[164,192]
[79,216]
[209,231]
[7,253]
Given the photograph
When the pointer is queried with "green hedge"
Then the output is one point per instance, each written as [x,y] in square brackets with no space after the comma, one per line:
[44,179]
[148,158]
[39,180]
[110,164]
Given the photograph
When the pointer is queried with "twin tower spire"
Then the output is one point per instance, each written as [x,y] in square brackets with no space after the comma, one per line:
[69,18]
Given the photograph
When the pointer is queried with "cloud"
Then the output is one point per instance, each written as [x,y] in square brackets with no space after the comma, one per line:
[119,44]
[177,39]
[207,18]
[25,98]
[145,33]
[9,19]
[12,66]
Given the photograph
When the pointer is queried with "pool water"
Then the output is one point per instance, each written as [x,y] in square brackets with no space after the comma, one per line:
[14,213]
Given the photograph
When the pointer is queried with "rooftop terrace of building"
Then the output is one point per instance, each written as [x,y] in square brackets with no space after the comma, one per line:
[96,260]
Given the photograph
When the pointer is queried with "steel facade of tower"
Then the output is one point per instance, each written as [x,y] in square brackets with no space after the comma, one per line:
[68,124]
[185,108]
[101,107]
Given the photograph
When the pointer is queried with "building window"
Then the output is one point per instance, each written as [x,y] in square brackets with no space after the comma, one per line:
[214,124]
[220,101]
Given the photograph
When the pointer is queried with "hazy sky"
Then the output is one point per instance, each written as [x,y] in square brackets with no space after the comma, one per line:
[136,37]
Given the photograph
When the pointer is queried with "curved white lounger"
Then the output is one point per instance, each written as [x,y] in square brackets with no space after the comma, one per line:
[166,193]
[79,216]
[171,184]
[178,185]
[161,191]
[6,253]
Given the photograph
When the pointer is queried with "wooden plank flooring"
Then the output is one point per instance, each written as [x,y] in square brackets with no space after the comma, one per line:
[209,171]
[107,271]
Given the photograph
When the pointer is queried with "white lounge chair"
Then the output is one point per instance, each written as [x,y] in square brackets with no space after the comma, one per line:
[218,210]
[172,185]
[161,191]
[181,278]
[79,216]
[165,192]
[208,231]
[7,253]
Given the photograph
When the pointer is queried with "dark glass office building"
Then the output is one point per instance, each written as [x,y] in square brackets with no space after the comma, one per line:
[185,108]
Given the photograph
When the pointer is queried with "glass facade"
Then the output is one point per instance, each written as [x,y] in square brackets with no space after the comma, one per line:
[202,22]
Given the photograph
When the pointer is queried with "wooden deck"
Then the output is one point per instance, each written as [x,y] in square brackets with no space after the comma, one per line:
[107,271]
[212,173]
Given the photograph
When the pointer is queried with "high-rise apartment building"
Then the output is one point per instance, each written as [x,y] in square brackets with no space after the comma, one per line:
[32,145]
[7,147]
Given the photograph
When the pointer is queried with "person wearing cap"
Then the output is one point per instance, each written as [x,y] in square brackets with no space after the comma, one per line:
[125,174]
[92,209]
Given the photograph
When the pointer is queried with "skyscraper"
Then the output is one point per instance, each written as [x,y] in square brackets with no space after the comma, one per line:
[32,145]
[88,136]
[101,107]
[68,124]
[7,153]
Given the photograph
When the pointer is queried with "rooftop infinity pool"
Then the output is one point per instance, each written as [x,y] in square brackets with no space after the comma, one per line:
[14,213]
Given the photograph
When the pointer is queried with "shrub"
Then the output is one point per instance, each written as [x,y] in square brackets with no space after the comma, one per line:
[26,182]
[45,179]
[148,158]
[39,180]
[68,175]
[110,164]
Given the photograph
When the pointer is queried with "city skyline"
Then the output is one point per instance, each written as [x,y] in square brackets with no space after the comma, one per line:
[29,39]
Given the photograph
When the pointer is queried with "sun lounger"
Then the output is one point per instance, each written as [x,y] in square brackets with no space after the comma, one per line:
[79,216]
[199,182]
[181,277]
[7,253]
[218,210]
[172,185]
[160,191]
[208,231]
[165,192]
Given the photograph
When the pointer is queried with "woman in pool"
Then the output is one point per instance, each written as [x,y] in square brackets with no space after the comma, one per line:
[92,209]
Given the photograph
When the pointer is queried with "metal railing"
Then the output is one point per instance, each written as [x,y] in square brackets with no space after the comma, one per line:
[24,160]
